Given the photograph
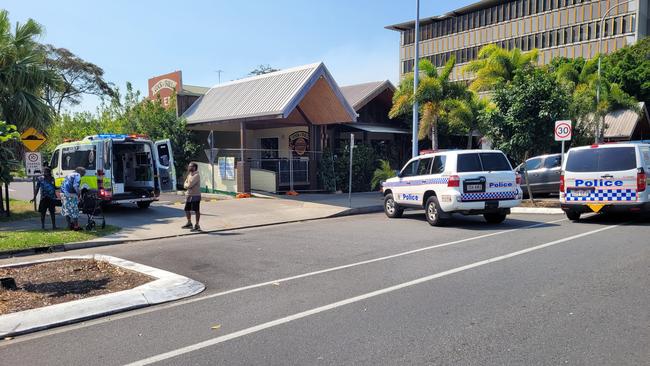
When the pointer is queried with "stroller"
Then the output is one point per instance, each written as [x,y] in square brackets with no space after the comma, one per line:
[91,206]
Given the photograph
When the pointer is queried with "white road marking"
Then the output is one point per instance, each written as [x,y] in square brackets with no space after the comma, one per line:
[304,314]
[267,283]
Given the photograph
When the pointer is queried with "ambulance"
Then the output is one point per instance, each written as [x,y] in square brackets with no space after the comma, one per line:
[120,168]
[605,178]
[467,182]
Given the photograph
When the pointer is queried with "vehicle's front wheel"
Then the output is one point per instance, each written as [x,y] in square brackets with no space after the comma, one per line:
[494,218]
[391,208]
[144,204]
[432,212]
[573,215]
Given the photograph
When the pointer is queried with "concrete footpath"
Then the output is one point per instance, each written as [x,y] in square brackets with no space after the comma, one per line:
[166,218]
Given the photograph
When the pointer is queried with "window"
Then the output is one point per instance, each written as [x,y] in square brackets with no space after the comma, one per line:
[163,154]
[494,14]
[582,33]
[425,166]
[410,169]
[602,159]
[533,164]
[606,30]
[597,30]
[54,162]
[494,162]
[567,35]
[468,163]
[269,147]
[615,27]
[74,157]
[552,162]
[589,33]
[438,164]
[624,24]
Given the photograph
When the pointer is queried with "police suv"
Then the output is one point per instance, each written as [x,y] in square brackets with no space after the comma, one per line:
[605,178]
[469,182]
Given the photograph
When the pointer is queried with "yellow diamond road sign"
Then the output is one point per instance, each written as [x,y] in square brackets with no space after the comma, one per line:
[32,139]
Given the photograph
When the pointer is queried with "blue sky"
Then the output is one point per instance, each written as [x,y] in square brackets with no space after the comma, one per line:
[135,40]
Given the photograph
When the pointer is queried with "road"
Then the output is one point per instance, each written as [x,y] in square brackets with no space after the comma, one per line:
[366,290]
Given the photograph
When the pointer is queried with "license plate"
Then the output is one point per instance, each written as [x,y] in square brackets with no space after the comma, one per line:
[580,193]
[474,187]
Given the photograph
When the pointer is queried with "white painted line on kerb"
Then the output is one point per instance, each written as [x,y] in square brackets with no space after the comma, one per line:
[304,314]
[269,283]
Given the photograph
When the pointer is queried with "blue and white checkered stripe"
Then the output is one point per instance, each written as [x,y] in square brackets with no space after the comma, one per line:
[508,195]
[416,182]
[605,195]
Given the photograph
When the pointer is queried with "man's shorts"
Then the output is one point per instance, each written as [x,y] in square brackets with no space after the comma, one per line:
[193,203]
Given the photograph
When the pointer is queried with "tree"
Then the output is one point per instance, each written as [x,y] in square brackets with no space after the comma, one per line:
[629,67]
[496,65]
[579,78]
[23,75]
[8,133]
[381,174]
[526,108]
[79,77]
[437,97]
[262,69]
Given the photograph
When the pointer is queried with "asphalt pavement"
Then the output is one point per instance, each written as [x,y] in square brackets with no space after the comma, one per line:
[366,290]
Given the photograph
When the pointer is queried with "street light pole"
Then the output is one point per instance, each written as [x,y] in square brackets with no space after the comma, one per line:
[600,128]
[416,75]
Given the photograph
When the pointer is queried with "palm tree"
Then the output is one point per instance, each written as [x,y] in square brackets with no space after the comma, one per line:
[436,95]
[381,174]
[580,79]
[23,75]
[463,114]
[495,65]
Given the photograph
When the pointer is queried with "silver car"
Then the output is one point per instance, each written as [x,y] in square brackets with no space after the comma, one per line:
[543,173]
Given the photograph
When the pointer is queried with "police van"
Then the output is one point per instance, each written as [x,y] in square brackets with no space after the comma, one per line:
[605,178]
[468,182]
[119,168]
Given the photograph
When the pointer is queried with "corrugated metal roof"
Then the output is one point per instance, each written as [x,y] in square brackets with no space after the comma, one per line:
[272,95]
[359,95]
[193,90]
[622,123]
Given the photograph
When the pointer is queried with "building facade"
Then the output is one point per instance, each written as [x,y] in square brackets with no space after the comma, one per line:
[565,28]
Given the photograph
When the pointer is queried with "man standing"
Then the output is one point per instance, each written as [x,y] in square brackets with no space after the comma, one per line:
[193,200]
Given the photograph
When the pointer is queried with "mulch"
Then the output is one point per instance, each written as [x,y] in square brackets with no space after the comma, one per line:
[547,203]
[55,282]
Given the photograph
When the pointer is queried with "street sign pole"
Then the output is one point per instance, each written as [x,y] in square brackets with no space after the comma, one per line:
[350,179]
[34,192]
[563,132]
[211,140]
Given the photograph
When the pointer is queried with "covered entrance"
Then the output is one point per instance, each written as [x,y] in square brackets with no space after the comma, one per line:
[271,128]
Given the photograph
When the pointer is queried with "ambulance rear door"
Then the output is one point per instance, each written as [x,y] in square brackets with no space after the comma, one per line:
[165,165]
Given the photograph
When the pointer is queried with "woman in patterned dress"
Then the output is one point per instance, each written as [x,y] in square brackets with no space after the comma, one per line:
[70,192]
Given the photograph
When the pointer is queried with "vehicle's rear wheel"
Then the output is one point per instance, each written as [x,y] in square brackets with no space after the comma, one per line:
[573,215]
[494,218]
[391,208]
[144,204]
[432,212]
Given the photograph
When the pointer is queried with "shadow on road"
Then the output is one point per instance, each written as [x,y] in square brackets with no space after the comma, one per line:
[476,222]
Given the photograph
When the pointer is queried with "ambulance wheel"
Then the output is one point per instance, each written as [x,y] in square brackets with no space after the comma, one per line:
[494,218]
[144,204]
[573,215]
[432,212]
[391,208]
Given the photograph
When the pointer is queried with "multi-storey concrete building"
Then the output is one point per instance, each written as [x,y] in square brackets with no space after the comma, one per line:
[568,28]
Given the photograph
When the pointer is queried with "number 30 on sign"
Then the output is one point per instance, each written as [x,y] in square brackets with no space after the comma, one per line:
[563,131]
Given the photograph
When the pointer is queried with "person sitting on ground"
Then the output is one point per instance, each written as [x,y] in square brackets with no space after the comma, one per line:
[193,200]
[70,192]
[46,187]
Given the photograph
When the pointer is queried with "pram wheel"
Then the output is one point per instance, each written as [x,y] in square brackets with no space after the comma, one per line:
[103,224]
[91,225]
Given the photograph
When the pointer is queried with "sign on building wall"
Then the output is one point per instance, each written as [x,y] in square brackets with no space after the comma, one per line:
[164,86]
[299,143]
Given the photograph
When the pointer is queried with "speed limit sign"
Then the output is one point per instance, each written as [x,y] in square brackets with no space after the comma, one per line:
[563,131]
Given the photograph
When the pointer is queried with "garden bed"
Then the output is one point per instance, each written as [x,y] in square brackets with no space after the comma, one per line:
[54,282]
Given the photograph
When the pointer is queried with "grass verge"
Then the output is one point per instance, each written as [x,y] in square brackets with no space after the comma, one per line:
[19,210]
[25,239]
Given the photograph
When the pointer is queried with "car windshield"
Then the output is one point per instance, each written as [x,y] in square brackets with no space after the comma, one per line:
[601,160]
